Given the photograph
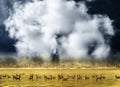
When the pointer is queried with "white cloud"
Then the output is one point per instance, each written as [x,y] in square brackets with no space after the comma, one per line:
[35,25]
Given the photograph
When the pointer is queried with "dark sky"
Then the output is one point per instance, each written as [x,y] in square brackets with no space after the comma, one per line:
[6,44]
[110,8]
[104,7]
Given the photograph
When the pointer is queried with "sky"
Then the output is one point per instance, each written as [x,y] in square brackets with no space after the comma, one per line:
[101,7]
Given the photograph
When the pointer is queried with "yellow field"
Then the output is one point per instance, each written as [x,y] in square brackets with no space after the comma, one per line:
[59,78]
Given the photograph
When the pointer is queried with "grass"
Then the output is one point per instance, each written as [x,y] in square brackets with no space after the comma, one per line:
[109,81]
[25,68]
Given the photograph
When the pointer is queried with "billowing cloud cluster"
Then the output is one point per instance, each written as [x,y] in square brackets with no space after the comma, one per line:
[46,27]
